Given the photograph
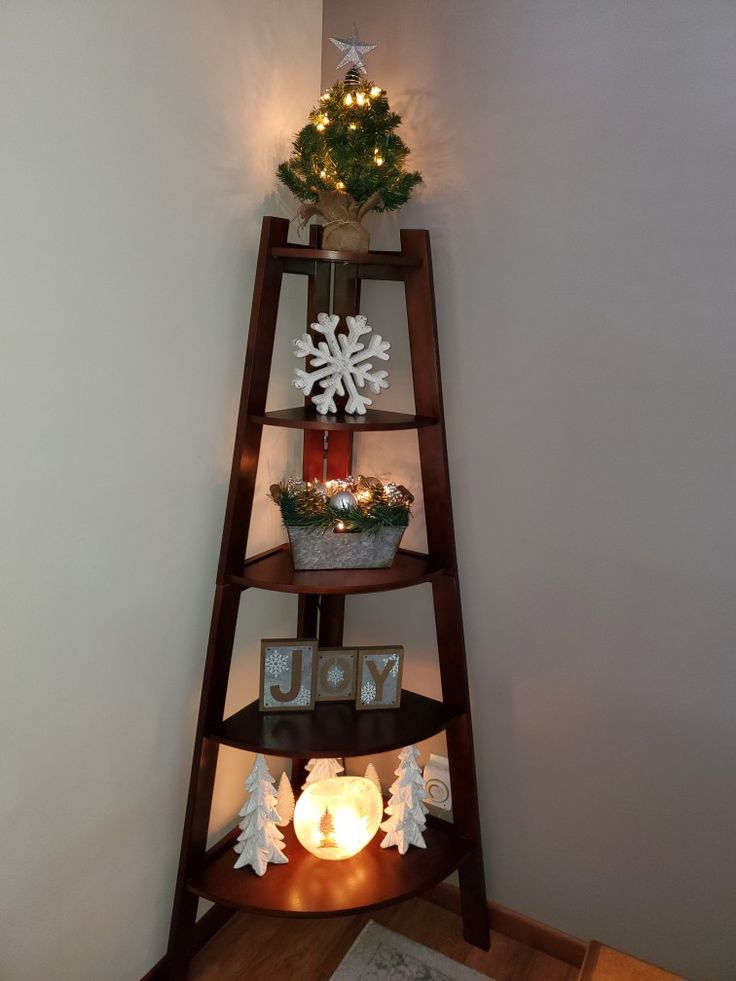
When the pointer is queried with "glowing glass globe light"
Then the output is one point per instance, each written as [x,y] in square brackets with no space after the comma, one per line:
[334,819]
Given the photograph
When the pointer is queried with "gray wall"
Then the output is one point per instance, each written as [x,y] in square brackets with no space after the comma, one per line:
[579,165]
[139,142]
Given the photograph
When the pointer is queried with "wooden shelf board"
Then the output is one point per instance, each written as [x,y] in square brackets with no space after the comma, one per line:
[274,570]
[362,258]
[374,420]
[335,728]
[310,886]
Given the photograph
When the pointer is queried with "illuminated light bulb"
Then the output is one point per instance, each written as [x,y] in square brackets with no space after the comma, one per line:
[360,98]
[353,126]
[325,120]
[322,173]
[341,526]
[375,91]
[379,161]
[335,819]
[348,100]
[339,185]
[320,126]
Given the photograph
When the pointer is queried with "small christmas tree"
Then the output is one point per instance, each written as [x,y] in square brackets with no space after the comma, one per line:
[406,808]
[349,160]
[285,800]
[327,830]
[372,774]
[323,769]
[260,841]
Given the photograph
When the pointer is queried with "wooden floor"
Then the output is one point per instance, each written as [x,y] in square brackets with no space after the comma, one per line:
[269,948]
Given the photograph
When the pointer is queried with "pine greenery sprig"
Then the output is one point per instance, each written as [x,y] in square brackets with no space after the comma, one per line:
[350,145]
[308,508]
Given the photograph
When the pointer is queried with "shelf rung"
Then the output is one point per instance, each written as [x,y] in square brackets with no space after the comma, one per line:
[274,570]
[309,886]
[335,728]
[374,420]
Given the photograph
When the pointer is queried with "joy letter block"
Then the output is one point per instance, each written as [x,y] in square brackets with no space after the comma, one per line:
[336,670]
[288,675]
[379,677]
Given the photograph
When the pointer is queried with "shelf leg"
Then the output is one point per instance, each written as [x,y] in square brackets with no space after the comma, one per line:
[204,766]
[424,344]
[306,626]
[307,615]
[476,925]
[331,621]
[453,673]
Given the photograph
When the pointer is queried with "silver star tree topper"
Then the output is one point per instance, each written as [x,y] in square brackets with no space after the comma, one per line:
[353,50]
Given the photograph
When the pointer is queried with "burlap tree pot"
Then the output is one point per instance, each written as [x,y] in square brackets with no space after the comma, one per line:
[343,231]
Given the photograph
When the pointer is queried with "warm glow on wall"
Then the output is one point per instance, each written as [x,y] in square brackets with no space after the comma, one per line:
[335,818]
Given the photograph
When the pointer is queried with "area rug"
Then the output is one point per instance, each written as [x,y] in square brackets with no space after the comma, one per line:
[382,955]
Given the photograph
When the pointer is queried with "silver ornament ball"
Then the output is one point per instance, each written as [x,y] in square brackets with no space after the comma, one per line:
[343,501]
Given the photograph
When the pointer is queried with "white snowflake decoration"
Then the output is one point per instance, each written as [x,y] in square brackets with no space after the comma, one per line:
[341,364]
[276,661]
[367,692]
[336,675]
[303,698]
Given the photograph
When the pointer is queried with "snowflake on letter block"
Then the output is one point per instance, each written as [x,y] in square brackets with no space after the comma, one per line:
[341,364]
[276,661]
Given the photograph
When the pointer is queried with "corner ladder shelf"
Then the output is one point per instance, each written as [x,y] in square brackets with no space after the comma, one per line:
[307,886]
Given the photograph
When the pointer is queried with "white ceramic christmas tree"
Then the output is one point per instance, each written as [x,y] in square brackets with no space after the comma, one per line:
[406,808]
[372,774]
[323,769]
[260,841]
[285,800]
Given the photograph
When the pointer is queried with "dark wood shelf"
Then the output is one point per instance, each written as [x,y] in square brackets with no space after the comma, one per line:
[362,258]
[310,886]
[306,885]
[274,570]
[374,420]
[335,728]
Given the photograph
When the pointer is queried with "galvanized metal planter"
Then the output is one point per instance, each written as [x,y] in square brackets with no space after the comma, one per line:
[317,549]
